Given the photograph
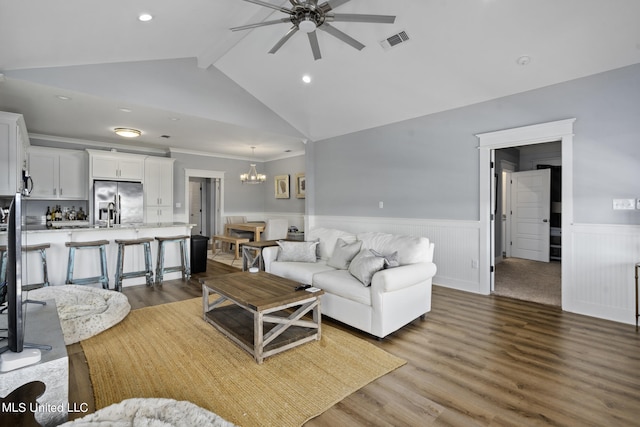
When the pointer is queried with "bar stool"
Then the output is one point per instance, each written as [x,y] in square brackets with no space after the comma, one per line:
[184,267]
[96,244]
[27,248]
[147,272]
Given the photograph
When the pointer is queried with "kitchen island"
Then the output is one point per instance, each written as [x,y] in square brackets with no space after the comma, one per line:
[87,263]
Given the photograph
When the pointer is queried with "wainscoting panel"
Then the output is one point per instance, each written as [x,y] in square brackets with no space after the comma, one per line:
[602,272]
[456,243]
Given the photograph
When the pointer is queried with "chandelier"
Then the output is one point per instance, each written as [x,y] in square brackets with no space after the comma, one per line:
[253,177]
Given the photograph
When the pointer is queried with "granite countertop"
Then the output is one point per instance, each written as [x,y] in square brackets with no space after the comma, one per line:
[43,229]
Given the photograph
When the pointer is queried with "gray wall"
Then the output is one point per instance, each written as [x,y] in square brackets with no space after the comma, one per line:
[289,166]
[428,167]
[240,197]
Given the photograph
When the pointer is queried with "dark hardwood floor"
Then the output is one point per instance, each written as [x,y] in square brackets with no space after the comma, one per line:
[474,360]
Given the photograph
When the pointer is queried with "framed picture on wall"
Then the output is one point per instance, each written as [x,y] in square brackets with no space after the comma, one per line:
[300,186]
[282,186]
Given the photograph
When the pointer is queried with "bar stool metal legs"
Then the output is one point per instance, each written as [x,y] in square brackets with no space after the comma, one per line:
[183,268]
[147,272]
[27,248]
[103,278]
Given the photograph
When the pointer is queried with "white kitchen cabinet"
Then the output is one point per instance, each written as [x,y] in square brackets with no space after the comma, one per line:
[158,189]
[58,174]
[158,215]
[13,143]
[116,166]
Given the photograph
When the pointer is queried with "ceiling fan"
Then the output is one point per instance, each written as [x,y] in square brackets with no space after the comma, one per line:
[308,15]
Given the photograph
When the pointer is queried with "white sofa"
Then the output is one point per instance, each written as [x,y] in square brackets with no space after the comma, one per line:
[396,296]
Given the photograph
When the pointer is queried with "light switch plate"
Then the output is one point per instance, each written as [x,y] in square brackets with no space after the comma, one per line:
[624,204]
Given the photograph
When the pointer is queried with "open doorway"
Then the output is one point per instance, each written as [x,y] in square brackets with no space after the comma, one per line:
[204,196]
[527,238]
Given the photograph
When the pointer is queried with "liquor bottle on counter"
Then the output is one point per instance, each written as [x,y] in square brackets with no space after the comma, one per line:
[48,217]
[81,214]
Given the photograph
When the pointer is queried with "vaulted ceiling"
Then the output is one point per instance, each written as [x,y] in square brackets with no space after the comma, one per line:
[186,76]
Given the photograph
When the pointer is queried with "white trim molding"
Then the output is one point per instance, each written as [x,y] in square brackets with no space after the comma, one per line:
[561,130]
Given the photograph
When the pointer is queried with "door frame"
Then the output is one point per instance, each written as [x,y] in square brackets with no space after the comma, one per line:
[203,173]
[561,130]
[506,167]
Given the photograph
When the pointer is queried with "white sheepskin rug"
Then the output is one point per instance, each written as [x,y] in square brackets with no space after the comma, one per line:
[84,311]
[151,413]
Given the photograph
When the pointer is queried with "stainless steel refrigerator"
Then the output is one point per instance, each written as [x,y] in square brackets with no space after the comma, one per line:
[120,201]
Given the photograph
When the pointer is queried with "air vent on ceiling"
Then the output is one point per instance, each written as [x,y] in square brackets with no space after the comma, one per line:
[394,40]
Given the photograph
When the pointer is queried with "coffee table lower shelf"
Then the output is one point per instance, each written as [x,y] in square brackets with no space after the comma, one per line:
[267,332]
[238,324]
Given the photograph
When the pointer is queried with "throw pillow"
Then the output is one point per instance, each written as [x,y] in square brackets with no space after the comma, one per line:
[343,253]
[297,251]
[365,265]
[390,260]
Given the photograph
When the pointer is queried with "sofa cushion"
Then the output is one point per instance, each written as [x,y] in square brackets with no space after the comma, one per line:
[297,251]
[390,260]
[328,238]
[343,253]
[341,283]
[299,271]
[365,265]
[411,249]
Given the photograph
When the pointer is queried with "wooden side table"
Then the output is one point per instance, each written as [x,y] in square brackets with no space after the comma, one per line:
[252,254]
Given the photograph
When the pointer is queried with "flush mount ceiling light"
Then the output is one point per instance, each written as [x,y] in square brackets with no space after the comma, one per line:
[252,177]
[127,132]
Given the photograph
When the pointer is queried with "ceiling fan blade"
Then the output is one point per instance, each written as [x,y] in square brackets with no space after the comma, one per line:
[331,4]
[272,6]
[260,24]
[353,17]
[284,39]
[315,47]
[340,35]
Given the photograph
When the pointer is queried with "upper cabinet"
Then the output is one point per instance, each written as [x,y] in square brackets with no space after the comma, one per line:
[13,143]
[58,174]
[116,166]
[158,189]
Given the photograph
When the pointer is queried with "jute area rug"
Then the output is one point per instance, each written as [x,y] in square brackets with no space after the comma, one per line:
[169,351]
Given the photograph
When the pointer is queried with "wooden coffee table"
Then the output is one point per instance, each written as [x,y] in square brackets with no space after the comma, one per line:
[267,314]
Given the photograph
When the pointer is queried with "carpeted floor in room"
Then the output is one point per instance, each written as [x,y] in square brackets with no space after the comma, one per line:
[529,280]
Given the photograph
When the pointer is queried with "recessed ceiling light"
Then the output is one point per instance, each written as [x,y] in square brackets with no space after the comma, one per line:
[306,78]
[127,132]
[174,119]
[63,98]
[145,17]
[125,110]
[524,60]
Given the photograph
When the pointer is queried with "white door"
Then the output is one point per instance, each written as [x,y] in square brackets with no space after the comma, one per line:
[530,207]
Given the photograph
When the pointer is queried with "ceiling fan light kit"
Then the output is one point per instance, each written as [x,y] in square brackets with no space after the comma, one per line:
[308,15]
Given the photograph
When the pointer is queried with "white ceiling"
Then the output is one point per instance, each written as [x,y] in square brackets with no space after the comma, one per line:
[183,63]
